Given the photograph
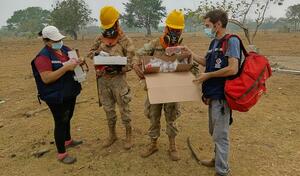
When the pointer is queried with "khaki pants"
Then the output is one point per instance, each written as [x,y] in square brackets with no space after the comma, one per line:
[115,90]
[153,112]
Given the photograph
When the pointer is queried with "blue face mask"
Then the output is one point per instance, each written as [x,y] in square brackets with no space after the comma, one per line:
[57,45]
[209,33]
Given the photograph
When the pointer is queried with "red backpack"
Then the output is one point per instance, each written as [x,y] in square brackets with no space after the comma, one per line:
[244,90]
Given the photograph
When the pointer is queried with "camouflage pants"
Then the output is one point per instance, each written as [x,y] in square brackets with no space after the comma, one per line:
[115,90]
[153,112]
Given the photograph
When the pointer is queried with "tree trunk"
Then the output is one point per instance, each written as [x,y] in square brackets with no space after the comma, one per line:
[74,34]
[245,29]
[148,28]
[247,35]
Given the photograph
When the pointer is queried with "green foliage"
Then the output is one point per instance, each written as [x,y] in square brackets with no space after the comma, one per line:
[192,20]
[293,16]
[238,12]
[143,14]
[70,15]
[30,20]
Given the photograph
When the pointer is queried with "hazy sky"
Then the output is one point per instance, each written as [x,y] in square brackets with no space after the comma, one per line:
[7,7]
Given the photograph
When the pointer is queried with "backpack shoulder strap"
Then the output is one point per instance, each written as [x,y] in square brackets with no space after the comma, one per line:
[224,43]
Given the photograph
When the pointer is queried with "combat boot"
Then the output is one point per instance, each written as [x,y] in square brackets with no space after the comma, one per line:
[172,150]
[151,149]
[112,137]
[128,141]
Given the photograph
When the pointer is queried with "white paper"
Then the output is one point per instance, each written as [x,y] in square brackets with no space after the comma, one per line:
[80,75]
[110,60]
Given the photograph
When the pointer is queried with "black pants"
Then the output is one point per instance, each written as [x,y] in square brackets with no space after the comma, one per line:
[62,114]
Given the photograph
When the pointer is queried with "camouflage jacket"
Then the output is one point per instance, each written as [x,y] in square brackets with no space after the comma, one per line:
[150,49]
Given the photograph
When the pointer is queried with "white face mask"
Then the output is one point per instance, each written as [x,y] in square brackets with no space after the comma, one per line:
[57,45]
[210,33]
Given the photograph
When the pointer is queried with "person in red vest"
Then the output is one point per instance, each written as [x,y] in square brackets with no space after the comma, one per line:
[54,76]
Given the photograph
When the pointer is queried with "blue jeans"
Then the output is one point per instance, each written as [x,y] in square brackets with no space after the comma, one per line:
[219,117]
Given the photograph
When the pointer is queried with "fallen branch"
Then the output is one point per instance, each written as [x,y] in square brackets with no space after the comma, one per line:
[193,150]
[40,153]
[82,101]
[33,112]
[279,70]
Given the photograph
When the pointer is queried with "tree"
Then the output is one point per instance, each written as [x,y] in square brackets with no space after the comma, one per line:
[5,32]
[30,20]
[144,14]
[191,20]
[282,24]
[269,23]
[293,15]
[259,7]
[239,11]
[71,15]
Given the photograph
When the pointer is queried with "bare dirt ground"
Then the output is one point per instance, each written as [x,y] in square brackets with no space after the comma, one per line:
[264,141]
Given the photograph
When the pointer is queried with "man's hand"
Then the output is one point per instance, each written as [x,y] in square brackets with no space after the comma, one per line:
[202,77]
[138,71]
[197,58]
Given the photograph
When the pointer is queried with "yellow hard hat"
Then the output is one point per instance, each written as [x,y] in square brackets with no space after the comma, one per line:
[175,20]
[108,16]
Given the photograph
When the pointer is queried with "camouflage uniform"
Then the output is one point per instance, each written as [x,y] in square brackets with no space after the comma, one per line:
[114,88]
[153,111]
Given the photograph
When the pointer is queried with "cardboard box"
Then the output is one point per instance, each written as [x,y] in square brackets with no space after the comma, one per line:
[110,60]
[180,67]
[172,87]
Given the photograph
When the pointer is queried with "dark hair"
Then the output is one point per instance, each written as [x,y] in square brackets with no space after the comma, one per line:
[217,15]
[41,35]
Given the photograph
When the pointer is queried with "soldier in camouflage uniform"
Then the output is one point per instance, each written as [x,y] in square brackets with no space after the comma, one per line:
[111,80]
[156,47]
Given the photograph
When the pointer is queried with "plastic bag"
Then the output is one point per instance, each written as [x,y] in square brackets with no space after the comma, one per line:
[163,65]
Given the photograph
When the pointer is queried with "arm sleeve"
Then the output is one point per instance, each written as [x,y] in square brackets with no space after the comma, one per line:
[43,64]
[234,49]
[94,48]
